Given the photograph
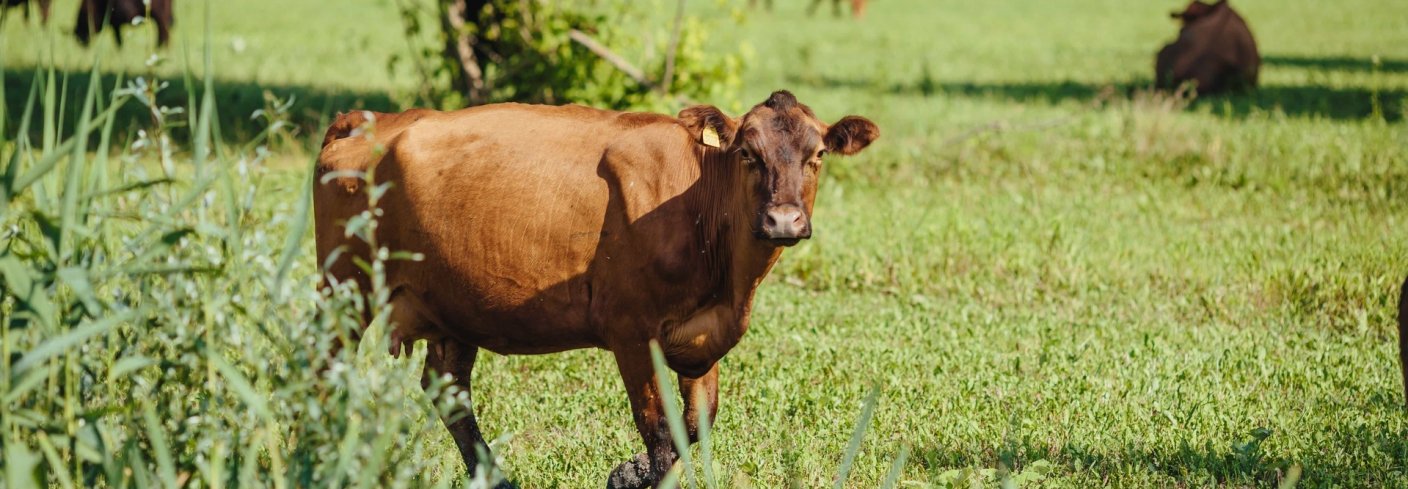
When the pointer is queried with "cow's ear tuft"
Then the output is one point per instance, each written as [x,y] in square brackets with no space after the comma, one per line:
[850,135]
[698,117]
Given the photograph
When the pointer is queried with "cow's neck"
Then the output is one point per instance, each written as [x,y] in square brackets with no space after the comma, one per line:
[737,261]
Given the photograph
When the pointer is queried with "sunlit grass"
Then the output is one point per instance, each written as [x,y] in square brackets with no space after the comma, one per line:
[1046,286]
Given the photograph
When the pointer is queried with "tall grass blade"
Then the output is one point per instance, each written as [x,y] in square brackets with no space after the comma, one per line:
[673,415]
[671,480]
[853,447]
[297,229]
[49,128]
[12,167]
[51,159]
[56,462]
[161,448]
[68,214]
[1292,478]
[893,479]
[74,337]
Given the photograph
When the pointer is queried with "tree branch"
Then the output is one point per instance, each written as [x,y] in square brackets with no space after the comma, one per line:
[669,77]
[616,60]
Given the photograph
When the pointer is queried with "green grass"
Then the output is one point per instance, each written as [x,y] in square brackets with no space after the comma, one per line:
[1086,290]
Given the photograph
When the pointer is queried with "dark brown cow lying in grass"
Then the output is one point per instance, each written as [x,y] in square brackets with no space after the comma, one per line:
[1215,49]
[546,229]
[120,13]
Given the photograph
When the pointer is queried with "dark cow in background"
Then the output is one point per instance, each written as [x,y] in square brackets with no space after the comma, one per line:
[1403,336]
[857,7]
[93,15]
[28,6]
[1215,49]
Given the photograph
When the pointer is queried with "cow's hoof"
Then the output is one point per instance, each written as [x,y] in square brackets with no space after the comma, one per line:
[634,474]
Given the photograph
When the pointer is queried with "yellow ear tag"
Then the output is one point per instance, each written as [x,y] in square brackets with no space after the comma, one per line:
[710,137]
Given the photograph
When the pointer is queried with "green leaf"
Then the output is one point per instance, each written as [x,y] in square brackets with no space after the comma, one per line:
[24,383]
[73,338]
[22,282]
[128,365]
[241,386]
[129,187]
[20,466]
[17,279]
[77,280]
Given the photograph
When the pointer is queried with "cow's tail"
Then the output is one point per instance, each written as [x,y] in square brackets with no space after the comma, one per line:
[1403,337]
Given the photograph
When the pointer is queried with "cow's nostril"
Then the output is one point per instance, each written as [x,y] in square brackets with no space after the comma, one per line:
[786,222]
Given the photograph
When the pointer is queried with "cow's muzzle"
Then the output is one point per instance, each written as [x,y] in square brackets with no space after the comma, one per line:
[786,224]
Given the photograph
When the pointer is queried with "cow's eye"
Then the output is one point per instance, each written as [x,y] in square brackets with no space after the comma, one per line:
[745,154]
[820,154]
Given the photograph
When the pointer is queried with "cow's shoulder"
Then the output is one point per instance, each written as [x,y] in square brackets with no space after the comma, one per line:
[651,160]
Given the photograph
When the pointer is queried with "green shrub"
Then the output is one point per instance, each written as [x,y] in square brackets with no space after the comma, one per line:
[524,51]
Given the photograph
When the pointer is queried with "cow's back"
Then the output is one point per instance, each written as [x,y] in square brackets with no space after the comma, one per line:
[506,203]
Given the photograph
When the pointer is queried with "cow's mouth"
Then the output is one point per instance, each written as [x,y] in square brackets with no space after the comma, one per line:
[783,242]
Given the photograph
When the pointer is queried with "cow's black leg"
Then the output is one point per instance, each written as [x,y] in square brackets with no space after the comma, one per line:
[448,356]
[84,27]
[645,469]
[701,395]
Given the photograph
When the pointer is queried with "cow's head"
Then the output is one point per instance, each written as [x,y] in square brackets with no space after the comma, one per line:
[1196,10]
[781,143]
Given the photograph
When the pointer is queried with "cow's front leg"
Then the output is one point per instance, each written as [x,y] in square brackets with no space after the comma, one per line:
[645,469]
[701,394]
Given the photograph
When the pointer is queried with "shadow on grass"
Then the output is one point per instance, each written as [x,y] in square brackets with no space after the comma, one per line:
[235,101]
[1241,462]
[1336,63]
[1295,101]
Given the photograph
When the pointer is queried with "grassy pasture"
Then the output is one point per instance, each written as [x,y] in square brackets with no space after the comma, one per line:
[1086,287]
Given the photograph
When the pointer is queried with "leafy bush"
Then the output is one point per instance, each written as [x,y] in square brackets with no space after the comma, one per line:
[159,329]
[478,51]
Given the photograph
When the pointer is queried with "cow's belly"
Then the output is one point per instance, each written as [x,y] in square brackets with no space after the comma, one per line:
[507,242]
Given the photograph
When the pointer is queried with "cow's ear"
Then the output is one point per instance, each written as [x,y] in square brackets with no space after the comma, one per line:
[705,122]
[850,135]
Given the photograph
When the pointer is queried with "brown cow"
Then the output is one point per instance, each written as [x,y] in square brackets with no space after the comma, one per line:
[28,6]
[547,228]
[118,13]
[1215,49]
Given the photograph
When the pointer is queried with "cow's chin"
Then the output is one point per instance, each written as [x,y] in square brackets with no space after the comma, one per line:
[785,242]
[778,242]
